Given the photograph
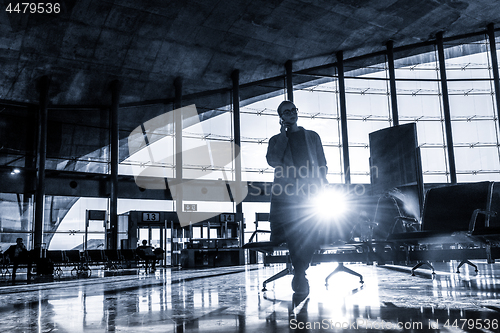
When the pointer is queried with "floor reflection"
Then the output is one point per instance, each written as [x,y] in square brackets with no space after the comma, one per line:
[231,300]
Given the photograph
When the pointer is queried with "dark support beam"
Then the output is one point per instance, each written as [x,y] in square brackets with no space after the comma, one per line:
[494,65]
[235,76]
[178,142]
[29,163]
[113,196]
[178,92]
[446,109]
[343,117]
[41,158]
[392,83]
[289,80]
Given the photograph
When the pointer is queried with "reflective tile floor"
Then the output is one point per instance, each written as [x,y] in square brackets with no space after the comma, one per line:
[230,299]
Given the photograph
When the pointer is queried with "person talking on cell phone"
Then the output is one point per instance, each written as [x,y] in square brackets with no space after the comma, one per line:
[299,163]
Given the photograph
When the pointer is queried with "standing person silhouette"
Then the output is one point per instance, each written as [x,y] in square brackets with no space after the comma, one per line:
[299,163]
[146,253]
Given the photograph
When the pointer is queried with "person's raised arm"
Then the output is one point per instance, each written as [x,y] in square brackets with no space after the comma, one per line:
[276,148]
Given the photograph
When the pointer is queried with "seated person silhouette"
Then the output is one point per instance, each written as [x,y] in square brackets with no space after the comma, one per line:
[18,254]
[299,163]
[146,253]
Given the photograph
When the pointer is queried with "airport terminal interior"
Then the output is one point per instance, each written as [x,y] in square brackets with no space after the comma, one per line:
[135,192]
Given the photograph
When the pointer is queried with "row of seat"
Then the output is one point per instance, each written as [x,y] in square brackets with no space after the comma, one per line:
[459,219]
[459,222]
[77,258]
[92,257]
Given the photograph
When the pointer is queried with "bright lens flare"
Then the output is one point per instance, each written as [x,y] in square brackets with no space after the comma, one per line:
[331,204]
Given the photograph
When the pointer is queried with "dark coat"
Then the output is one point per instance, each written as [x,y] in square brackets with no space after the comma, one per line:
[279,156]
[10,253]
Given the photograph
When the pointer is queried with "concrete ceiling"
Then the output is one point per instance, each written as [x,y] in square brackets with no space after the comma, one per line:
[146,44]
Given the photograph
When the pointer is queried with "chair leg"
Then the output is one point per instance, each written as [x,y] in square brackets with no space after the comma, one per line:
[463,262]
[288,270]
[421,263]
[342,268]
[284,272]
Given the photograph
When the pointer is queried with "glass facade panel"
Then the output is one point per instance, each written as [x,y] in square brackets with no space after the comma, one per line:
[156,138]
[359,130]
[471,96]
[158,156]
[421,65]
[78,140]
[474,133]
[434,162]
[463,66]
[249,210]
[64,225]
[16,214]
[368,110]
[198,158]
[254,160]
[419,100]
[199,135]
[476,160]
[360,169]
[414,105]
[334,163]
[318,111]
[470,106]
[259,122]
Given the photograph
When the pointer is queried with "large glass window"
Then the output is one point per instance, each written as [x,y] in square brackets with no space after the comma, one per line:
[78,140]
[368,110]
[150,145]
[419,101]
[419,97]
[16,214]
[259,122]
[471,94]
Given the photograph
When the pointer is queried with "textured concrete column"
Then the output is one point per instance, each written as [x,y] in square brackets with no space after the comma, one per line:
[446,109]
[494,66]
[289,80]
[41,159]
[392,83]
[115,147]
[343,117]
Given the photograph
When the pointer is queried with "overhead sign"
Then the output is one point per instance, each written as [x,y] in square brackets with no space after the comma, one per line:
[227,217]
[190,207]
[150,217]
[97,215]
